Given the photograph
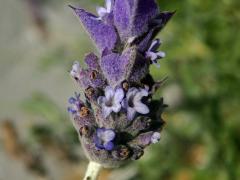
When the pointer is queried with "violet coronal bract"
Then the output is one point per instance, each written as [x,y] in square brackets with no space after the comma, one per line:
[117,117]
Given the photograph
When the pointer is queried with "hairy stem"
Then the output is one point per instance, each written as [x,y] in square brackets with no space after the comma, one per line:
[92,171]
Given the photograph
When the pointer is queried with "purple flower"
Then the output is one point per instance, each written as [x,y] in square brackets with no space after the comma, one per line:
[153,54]
[102,11]
[75,103]
[111,102]
[133,104]
[155,137]
[104,138]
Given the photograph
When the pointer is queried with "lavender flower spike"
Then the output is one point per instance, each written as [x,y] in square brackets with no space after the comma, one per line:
[117,119]
[111,102]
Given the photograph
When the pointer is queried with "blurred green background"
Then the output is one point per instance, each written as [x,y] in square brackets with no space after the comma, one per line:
[39,40]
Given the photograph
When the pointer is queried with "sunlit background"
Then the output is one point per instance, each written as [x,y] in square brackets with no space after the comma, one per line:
[39,40]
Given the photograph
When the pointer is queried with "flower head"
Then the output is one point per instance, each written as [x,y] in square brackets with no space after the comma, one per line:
[153,54]
[133,104]
[104,139]
[111,102]
[117,118]
[103,11]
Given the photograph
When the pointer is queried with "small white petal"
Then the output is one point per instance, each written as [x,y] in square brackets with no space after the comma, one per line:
[131,92]
[107,135]
[141,108]
[108,5]
[161,54]
[153,56]
[109,92]
[116,107]
[75,72]
[119,94]
[106,111]
[142,93]
[100,132]
[130,113]
[101,11]
[155,137]
[124,103]
[153,44]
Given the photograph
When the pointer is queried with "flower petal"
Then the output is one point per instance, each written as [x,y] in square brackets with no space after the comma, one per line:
[71,110]
[116,107]
[124,103]
[76,69]
[155,137]
[72,100]
[130,113]
[106,111]
[101,11]
[108,135]
[109,93]
[131,93]
[155,45]
[108,5]
[100,132]
[141,108]
[161,54]
[98,141]
[108,146]
[151,55]
[119,94]
[141,93]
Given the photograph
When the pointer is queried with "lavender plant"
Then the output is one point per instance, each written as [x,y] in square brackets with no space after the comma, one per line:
[116,118]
